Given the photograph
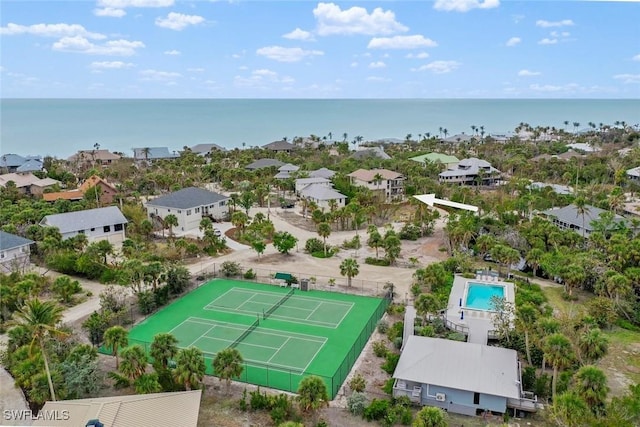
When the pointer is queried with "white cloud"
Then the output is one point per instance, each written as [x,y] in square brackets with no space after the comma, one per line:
[377,64]
[110,12]
[332,20]
[439,67]
[571,87]
[122,4]
[354,64]
[264,72]
[50,30]
[420,55]
[110,65]
[527,73]
[401,42]
[513,41]
[261,78]
[547,24]
[158,76]
[239,55]
[299,34]
[172,52]
[287,54]
[464,5]
[636,57]
[628,78]
[377,79]
[548,41]
[79,44]
[178,21]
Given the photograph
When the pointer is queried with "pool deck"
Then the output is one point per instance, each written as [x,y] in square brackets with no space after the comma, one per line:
[476,323]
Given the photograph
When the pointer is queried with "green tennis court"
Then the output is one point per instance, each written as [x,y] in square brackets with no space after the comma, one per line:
[282,334]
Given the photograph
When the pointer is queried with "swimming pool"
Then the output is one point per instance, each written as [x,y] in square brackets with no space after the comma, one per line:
[479,295]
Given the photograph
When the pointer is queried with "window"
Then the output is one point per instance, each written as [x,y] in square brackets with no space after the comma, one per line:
[80,231]
[476,398]
[107,229]
[156,211]
[179,211]
[117,227]
[168,210]
[93,229]
[221,203]
[2,254]
[197,210]
[188,211]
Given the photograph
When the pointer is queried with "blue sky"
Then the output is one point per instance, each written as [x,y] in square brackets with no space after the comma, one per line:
[311,49]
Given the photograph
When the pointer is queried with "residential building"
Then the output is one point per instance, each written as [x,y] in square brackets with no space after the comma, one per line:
[264,163]
[89,158]
[14,252]
[390,183]
[301,183]
[322,195]
[370,152]
[204,149]
[571,218]
[471,171]
[150,154]
[322,173]
[459,377]
[459,138]
[633,175]
[189,205]
[179,408]
[284,171]
[28,183]
[563,190]
[15,163]
[97,224]
[107,191]
[444,159]
[280,147]
[583,146]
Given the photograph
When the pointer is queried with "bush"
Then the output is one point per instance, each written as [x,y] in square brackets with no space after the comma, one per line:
[356,403]
[390,364]
[249,274]
[529,378]
[314,245]
[357,383]
[377,261]
[388,386]
[376,410]
[320,254]
[404,415]
[456,336]
[380,349]
[542,387]
[427,331]
[161,296]
[409,232]
[146,302]
[397,343]
[258,400]
[354,243]
[230,269]
[395,331]
[383,326]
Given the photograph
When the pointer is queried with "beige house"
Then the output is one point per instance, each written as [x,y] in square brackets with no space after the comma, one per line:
[89,158]
[390,183]
[27,183]
[139,410]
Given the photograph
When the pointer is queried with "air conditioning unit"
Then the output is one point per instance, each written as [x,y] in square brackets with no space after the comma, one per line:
[441,397]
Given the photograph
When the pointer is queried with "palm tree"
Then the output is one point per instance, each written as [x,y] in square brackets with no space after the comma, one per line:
[581,209]
[430,416]
[146,151]
[349,267]
[526,316]
[40,318]
[569,410]
[559,352]
[163,348]
[228,364]
[593,344]
[171,221]
[116,337]
[378,179]
[147,383]
[427,304]
[312,395]
[190,367]
[324,230]
[375,238]
[591,385]
[134,362]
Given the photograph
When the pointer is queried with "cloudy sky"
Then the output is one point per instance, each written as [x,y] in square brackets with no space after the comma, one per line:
[311,49]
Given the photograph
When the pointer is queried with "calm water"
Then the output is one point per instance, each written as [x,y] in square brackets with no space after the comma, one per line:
[60,127]
[479,296]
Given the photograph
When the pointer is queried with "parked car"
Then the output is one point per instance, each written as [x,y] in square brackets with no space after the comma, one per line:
[217,232]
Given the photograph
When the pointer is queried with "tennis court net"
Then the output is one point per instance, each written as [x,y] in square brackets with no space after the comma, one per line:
[245,333]
[278,304]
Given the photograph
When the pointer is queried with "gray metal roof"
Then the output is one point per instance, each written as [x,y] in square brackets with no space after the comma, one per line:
[321,192]
[30,165]
[11,241]
[205,148]
[569,215]
[557,188]
[364,153]
[155,153]
[289,168]
[279,146]
[460,365]
[187,198]
[264,163]
[322,173]
[470,167]
[140,410]
[634,172]
[84,220]
[11,160]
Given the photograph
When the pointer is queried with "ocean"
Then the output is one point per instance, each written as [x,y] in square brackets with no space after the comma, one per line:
[60,127]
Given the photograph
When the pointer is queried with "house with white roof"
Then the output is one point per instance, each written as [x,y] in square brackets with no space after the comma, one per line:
[204,149]
[14,252]
[633,175]
[390,183]
[301,183]
[285,171]
[97,224]
[471,171]
[189,205]
[459,377]
[151,154]
[322,173]
[322,195]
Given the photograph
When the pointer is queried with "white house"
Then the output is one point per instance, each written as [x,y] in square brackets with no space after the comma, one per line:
[14,252]
[321,195]
[301,183]
[633,174]
[97,224]
[389,182]
[189,205]
[471,171]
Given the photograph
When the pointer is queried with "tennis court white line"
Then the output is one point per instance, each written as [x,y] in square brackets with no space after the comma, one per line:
[345,315]
[249,300]
[314,310]
[329,301]
[197,339]
[289,319]
[314,356]
[241,342]
[278,351]
[219,296]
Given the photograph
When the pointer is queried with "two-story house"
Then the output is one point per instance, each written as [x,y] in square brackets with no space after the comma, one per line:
[471,171]
[388,183]
[97,224]
[14,252]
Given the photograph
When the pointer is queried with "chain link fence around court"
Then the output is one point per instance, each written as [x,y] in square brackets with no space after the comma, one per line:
[289,379]
[316,281]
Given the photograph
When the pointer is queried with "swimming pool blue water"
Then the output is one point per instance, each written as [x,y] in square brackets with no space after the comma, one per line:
[479,295]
